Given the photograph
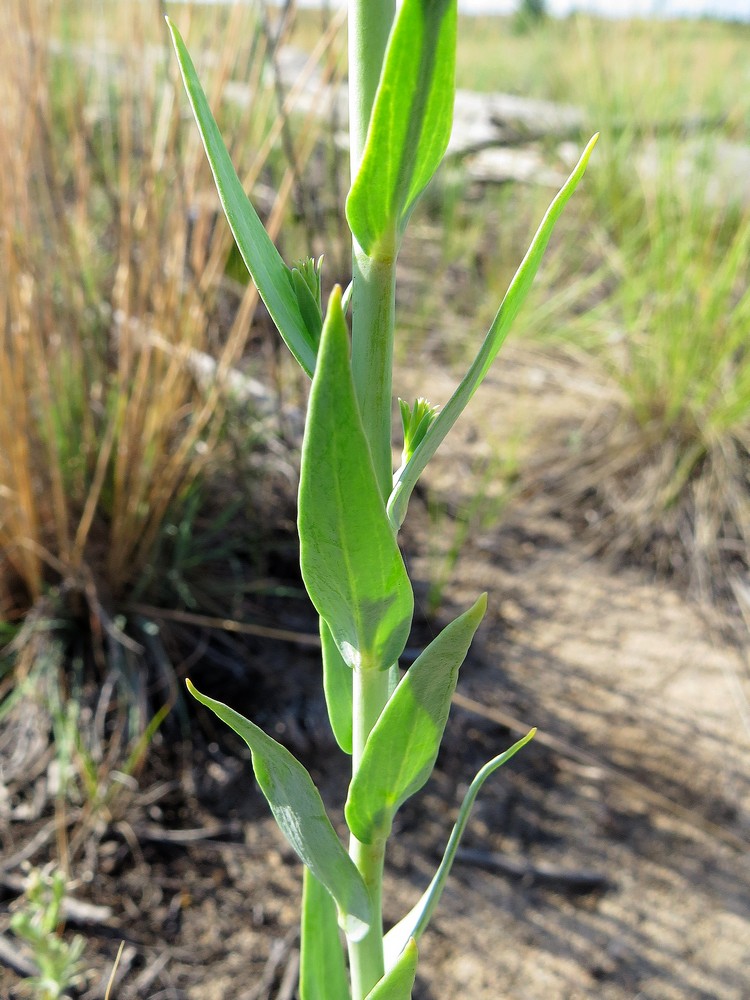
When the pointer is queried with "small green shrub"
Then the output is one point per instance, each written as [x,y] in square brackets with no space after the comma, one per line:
[665,465]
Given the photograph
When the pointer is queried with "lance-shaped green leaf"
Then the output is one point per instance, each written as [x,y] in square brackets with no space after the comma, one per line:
[401,750]
[338,683]
[268,270]
[349,556]
[322,973]
[298,809]
[410,124]
[415,922]
[408,475]
[398,982]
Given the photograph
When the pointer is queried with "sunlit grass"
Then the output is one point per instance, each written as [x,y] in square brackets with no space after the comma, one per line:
[113,274]
[118,325]
[655,71]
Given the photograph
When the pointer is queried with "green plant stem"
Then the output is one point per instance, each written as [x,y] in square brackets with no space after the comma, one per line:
[373,282]
[371,689]
[373,320]
[366,956]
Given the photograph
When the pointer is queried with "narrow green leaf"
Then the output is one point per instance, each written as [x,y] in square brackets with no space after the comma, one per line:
[408,475]
[322,974]
[338,685]
[268,270]
[410,124]
[298,809]
[402,748]
[414,924]
[349,556]
[398,982]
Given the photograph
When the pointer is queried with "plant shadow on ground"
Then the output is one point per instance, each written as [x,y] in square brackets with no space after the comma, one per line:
[574,881]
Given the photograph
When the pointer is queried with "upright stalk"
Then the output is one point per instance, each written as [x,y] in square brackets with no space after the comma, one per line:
[373,321]
[366,956]
[373,299]
[373,318]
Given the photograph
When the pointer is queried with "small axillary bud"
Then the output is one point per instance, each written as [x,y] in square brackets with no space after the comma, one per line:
[305,279]
[310,270]
[416,422]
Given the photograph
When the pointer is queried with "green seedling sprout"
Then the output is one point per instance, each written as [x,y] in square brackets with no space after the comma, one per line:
[38,921]
[351,505]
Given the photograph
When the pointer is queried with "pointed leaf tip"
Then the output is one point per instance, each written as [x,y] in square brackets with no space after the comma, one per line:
[299,811]
[398,982]
[415,922]
[410,125]
[518,290]
[262,259]
[350,559]
[402,748]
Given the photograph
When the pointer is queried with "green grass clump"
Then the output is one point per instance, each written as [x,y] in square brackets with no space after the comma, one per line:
[672,467]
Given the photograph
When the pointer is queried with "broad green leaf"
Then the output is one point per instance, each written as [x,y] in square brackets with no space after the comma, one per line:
[268,270]
[407,476]
[414,924]
[322,974]
[350,559]
[398,982]
[298,809]
[402,748]
[410,124]
[338,683]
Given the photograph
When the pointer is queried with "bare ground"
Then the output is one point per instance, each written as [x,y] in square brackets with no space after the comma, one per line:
[608,860]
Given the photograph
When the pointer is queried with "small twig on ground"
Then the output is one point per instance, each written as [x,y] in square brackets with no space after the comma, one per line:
[226,624]
[151,972]
[279,951]
[113,974]
[201,835]
[289,979]
[578,880]
[74,910]
[29,849]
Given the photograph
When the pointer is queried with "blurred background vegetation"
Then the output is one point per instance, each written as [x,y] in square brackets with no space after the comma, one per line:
[149,418]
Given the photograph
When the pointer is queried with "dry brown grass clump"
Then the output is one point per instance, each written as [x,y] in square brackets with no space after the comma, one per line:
[120,329]
[114,285]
